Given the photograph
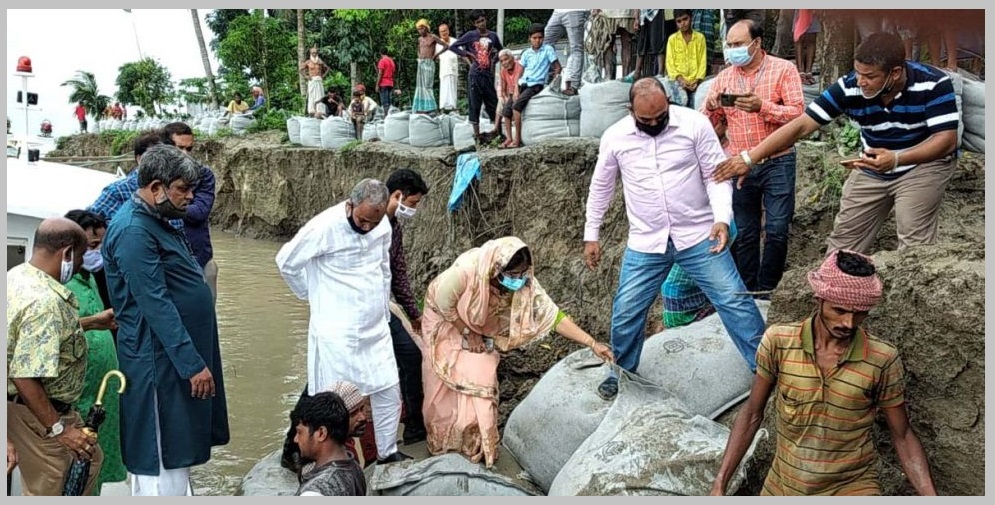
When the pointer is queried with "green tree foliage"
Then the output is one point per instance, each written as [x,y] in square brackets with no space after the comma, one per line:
[263,49]
[145,83]
[85,91]
[218,21]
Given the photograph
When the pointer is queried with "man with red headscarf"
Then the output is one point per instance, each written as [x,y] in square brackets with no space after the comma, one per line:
[831,378]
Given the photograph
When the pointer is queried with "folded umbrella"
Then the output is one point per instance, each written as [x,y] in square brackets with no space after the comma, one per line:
[79,472]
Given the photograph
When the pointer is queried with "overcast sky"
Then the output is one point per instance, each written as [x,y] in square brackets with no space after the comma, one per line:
[60,42]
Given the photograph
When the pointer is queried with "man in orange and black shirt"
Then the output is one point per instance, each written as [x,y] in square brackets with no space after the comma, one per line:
[829,379]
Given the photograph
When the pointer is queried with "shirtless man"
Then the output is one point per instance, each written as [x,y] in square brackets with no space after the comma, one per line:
[314,70]
[424,101]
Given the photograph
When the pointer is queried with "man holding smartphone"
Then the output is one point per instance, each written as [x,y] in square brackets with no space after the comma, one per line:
[757,95]
[908,128]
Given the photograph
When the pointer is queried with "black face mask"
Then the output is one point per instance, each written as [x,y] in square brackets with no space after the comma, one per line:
[355,227]
[653,130]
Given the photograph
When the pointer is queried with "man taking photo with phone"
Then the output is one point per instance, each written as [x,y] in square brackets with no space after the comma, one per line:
[908,129]
[756,95]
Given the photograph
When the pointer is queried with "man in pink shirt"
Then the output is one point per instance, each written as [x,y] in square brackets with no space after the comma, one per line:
[677,216]
[385,79]
[80,114]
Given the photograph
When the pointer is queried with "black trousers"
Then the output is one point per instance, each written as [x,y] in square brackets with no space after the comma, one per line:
[408,358]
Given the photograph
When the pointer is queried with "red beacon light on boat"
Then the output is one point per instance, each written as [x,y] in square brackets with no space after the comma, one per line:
[24,64]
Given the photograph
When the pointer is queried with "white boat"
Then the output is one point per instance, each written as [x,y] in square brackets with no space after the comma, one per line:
[40,190]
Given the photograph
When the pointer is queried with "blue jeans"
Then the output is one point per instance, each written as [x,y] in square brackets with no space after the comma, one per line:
[715,273]
[385,96]
[768,193]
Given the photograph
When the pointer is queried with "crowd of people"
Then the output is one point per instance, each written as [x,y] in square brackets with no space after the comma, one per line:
[138,265]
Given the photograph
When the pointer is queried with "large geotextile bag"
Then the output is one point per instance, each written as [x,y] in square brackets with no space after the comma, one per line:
[559,413]
[426,131]
[548,115]
[310,132]
[395,128]
[336,132]
[450,474]
[602,105]
[649,444]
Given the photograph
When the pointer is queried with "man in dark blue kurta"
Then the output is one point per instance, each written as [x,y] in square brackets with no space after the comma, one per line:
[174,409]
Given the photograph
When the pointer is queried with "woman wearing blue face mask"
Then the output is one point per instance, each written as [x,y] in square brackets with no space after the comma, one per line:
[101,351]
[488,302]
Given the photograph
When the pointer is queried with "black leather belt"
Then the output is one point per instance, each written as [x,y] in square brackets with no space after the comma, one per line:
[61,408]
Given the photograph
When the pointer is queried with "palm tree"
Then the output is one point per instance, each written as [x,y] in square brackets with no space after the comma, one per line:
[204,58]
[85,91]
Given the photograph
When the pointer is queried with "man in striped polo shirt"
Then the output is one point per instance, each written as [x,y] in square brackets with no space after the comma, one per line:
[908,128]
[829,379]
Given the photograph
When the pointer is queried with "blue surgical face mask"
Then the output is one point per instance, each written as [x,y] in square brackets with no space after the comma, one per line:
[738,56]
[92,260]
[513,283]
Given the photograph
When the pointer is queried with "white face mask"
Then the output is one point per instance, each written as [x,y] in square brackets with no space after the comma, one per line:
[67,268]
[405,212]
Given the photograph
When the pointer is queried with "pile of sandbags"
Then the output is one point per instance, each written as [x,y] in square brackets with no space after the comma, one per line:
[698,364]
[550,114]
[336,132]
[426,131]
[973,113]
[310,132]
[395,127]
[450,474]
[294,130]
[602,105]
[649,444]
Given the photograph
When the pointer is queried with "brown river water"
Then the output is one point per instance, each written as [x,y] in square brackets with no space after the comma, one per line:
[263,332]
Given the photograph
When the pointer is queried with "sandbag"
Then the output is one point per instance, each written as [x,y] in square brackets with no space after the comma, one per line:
[974,114]
[294,130]
[602,105]
[450,474]
[129,125]
[380,130]
[700,365]
[675,93]
[240,123]
[649,444]
[117,124]
[426,131]
[463,136]
[548,115]
[559,413]
[701,93]
[336,132]
[212,127]
[372,131]
[310,132]
[395,127]
[268,478]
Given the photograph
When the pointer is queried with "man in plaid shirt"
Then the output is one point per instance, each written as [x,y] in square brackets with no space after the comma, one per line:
[113,196]
[767,94]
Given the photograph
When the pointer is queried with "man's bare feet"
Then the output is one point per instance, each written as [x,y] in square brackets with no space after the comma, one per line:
[570,92]
[513,144]
[505,143]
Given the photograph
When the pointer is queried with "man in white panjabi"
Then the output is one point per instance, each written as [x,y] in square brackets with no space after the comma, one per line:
[339,262]
[448,71]
[314,70]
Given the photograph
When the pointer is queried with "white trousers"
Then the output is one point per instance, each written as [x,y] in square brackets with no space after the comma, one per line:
[386,406]
[315,92]
[174,482]
[447,92]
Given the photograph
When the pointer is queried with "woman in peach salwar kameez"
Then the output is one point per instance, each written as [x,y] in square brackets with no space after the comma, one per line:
[488,302]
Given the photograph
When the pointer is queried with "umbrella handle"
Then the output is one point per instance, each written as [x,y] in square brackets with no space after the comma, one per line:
[103,385]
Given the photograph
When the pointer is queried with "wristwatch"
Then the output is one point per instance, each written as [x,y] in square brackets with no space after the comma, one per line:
[56,429]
